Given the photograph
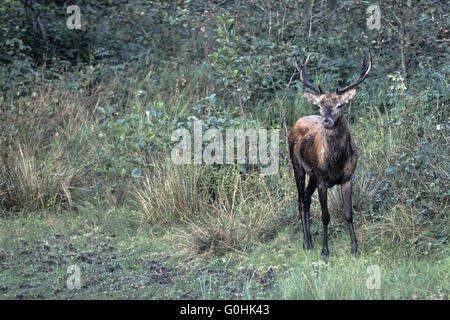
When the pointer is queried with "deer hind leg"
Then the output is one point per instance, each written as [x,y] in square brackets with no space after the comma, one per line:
[300,181]
[299,174]
[312,185]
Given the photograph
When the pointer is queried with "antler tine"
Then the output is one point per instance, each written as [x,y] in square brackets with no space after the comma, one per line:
[365,69]
[304,77]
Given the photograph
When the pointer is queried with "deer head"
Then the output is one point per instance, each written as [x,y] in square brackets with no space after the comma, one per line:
[330,103]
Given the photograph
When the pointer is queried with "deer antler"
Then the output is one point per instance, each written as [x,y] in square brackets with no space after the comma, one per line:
[362,75]
[304,77]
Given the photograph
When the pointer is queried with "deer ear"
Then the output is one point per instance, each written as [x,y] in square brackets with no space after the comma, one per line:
[347,96]
[311,98]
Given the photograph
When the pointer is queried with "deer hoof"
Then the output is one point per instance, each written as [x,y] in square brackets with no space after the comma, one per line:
[307,245]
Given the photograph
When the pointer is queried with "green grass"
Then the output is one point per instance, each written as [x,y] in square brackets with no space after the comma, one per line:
[117,258]
[121,258]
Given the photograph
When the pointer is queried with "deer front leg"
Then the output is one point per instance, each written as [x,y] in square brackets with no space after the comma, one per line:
[325,217]
[346,189]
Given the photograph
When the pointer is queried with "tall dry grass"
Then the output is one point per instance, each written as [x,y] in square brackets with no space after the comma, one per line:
[233,213]
[46,150]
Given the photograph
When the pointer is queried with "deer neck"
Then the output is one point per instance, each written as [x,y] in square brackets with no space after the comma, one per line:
[337,139]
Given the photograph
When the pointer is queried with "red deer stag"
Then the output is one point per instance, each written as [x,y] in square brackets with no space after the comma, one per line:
[323,148]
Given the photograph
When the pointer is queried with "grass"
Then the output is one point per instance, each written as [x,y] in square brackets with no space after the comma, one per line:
[119,258]
[116,256]
[97,189]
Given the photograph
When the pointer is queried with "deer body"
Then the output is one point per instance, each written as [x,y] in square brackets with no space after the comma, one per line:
[328,155]
[322,147]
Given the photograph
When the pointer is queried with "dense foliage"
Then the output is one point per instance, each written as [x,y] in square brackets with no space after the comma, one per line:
[87,115]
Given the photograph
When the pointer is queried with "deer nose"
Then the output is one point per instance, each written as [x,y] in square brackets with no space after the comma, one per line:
[327,123]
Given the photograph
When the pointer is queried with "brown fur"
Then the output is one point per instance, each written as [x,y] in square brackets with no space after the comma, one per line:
[328,154]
